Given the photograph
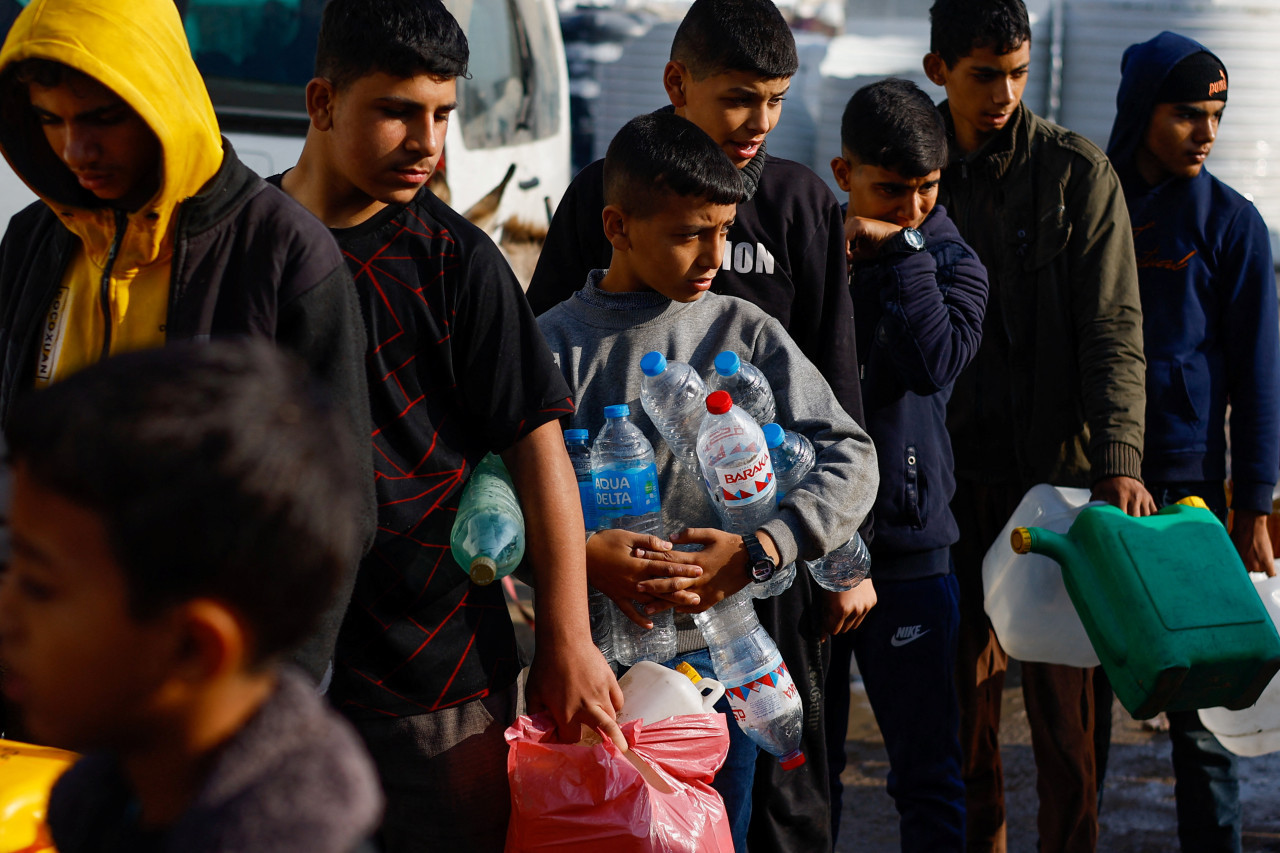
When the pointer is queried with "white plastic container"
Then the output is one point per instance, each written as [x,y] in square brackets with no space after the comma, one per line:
[1025,598]
[652,692]
[1254,730]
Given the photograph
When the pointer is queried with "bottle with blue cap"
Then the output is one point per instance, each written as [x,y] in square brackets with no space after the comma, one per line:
[793,458]
[599,606]
[746,385]
[626,488]
[674,396]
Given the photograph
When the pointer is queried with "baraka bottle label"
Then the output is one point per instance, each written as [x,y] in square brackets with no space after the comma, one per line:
[768,693]
[744,478]
[627,491]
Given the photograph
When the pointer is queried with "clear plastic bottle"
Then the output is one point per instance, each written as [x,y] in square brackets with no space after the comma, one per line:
[762,695]
[736,466]
[626,487]
[792,454]
[625,476]
[674,397]
[488,532]
[746,385]
[579,450]
[844,568]
[599,607]
[738,472]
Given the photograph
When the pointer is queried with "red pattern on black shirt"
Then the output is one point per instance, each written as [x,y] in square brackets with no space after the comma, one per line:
[456,368]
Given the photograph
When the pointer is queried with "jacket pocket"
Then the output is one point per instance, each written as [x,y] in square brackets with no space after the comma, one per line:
[1177,404]
[913,481]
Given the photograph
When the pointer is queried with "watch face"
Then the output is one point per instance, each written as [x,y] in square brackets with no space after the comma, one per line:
[762,570]
[913,238]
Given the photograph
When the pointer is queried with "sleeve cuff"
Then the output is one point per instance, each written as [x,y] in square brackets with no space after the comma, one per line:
[1251,497]
[784,539]
[1116,459]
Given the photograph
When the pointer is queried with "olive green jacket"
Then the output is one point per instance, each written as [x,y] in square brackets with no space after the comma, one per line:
[1056,393]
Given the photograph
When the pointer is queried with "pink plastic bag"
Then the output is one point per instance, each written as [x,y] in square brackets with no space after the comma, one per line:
[569,797]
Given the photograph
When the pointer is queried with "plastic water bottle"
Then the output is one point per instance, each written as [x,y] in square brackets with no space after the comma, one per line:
[792,454]
[488,533]
[674,397]
[599,607]
[746,385]
[844,568]
[575,443]
[762,696]
[626,487]
[626,478]
[738,473]
[736,466]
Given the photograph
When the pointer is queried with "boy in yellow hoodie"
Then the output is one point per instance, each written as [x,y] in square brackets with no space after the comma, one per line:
[149,229]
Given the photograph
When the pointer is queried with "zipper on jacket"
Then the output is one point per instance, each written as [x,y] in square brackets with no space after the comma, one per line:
[104,290]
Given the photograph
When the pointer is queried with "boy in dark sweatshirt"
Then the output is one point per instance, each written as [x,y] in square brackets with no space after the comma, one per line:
[213,492]
[919,296]
[671,191]
[1212,339]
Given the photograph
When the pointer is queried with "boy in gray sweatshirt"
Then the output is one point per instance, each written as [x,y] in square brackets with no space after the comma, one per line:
[670,195]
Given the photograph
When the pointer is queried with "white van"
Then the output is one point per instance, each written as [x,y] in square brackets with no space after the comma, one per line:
[257,56]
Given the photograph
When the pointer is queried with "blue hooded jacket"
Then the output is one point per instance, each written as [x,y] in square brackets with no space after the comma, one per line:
[1210,328]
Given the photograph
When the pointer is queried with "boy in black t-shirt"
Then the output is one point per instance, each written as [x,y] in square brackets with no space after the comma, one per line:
[427,662]
[731,66]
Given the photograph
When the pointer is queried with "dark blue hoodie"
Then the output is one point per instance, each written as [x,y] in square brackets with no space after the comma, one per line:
[919,323]
[1208,305]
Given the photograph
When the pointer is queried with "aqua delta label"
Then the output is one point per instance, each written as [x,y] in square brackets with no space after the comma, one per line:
[627,491]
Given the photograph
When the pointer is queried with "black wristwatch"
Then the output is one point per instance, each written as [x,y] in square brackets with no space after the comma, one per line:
[908,241]
[762,565]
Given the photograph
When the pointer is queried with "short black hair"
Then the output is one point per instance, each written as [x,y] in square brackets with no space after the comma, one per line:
[661,153]
[959,27]
[219,470]
[735,35]
[402,38]
[894,125]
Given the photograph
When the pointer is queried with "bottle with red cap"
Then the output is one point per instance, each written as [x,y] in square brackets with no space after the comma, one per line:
[736,465]
[738,472]
[762,695]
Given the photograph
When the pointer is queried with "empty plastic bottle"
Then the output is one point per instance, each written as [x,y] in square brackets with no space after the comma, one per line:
[736,466]
[844,568]
[674,397]
[738,472]
[792,454]
[762,695]
[626,487]
[793,459]
[599,607]
[488,533]
[746,385]
[575,442]
[626,478]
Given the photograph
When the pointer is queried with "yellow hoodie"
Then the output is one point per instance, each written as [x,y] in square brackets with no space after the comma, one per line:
[137,49]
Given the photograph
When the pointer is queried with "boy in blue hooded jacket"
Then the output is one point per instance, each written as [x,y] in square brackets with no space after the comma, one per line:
[1211,339]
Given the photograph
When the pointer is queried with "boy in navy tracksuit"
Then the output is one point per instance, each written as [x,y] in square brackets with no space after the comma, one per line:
[919,295]
[1211,338]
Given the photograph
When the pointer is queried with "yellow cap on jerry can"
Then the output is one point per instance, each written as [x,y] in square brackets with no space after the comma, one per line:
[1020,539]
[1192,500]
[688,672]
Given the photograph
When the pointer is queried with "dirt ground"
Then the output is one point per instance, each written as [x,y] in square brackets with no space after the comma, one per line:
[1137,812]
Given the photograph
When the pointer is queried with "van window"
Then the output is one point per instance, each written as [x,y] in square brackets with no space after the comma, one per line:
[257,55]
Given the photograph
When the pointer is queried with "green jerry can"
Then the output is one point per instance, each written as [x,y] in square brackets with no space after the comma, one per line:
[1167,604]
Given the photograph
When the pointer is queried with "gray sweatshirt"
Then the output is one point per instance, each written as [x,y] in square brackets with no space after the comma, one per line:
[598,339]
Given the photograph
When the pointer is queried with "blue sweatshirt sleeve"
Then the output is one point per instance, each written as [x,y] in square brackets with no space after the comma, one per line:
[1251,335]
[931,323]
